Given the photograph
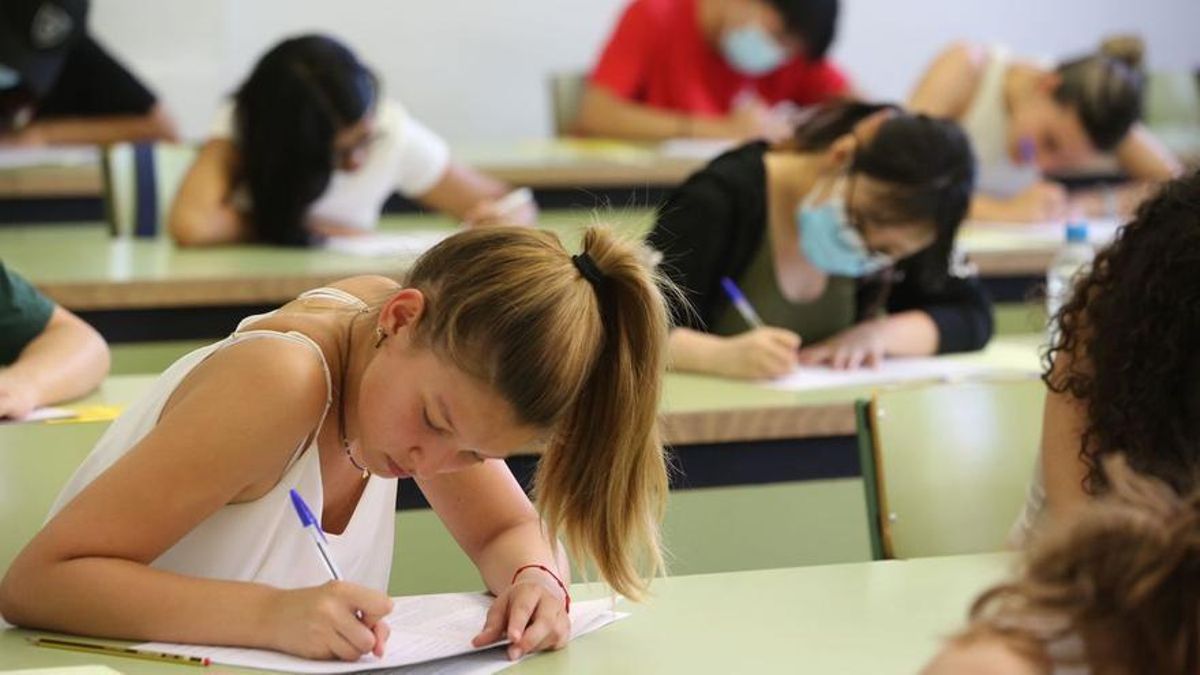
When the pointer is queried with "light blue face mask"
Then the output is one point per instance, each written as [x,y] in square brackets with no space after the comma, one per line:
[830,243]
[9,78]
[751,50]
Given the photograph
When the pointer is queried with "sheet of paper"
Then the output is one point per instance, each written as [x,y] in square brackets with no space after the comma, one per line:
[70,155]
[425,628]
[387,244]
[42,415]
[808,378]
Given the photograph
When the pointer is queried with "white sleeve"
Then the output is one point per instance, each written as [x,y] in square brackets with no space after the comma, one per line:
[423,157]
[222,124]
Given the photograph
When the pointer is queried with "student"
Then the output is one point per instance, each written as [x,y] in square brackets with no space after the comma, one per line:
[856,214]
[1124,374]
[58,85]
[178,526]
[1025,119]
[47,354]
[1114,593]
[712,69]
[307,149]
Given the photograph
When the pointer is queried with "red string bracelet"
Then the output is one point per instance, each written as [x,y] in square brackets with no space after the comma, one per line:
[547,570]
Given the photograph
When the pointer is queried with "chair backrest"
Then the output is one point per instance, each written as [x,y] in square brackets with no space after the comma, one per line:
[566,94]
[140,182]
[947,466]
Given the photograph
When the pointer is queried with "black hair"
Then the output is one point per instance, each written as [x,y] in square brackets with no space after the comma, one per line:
[1130,329]
[300,94]
[814,21]
[1106,91]
[926,163]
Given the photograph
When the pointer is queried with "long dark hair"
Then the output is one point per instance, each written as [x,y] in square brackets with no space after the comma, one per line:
[1131,330]
[288,111]
[926,162]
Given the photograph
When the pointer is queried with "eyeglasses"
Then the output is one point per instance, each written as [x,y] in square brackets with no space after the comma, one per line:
[854,234]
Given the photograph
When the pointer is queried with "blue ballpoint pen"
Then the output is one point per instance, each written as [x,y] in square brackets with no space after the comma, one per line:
[740,303]
[313,526]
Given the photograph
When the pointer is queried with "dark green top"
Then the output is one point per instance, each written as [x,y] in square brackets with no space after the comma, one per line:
[24,313]
[825,316]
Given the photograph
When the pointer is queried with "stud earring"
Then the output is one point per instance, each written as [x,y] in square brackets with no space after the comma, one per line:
[380,336]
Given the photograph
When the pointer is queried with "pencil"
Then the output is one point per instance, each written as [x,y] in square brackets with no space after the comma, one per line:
[112,650]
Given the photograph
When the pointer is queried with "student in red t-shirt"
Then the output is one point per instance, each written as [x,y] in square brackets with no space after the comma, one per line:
[711,69]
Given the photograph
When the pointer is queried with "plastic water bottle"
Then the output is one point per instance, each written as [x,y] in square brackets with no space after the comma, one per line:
[1073,260]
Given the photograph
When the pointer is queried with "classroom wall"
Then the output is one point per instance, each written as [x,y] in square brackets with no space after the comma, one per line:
[475,69]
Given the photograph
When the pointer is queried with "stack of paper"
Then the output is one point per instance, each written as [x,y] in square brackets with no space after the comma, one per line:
[426,629]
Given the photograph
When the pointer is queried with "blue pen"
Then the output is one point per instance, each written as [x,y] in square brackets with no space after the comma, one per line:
[313,526]
[740,303]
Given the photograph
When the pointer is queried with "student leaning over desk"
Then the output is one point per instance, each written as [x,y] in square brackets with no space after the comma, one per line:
[179,525]
[47,354]
[59,85]
[1025,118]
[308,148]
[712,69]
[855,215]
[1124,373]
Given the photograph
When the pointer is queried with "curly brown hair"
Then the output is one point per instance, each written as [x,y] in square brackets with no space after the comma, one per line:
[1117,589]
[1130,334]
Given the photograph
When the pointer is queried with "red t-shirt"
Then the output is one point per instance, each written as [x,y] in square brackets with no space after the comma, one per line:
[658,56]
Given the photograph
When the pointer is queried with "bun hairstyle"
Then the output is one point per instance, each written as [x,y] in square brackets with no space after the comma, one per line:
[577,345]
[1105,89]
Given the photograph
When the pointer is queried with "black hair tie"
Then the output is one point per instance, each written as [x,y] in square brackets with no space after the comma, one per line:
[587,267]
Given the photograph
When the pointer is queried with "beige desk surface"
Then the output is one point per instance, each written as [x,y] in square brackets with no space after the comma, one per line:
[82,268]
[851,619]
[696,409]
[536,163]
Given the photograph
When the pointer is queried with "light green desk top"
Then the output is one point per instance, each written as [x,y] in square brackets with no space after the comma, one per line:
[860,618]
[82,268]
[696,408]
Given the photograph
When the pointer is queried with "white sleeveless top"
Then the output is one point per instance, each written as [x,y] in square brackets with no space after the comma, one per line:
[259,541]
[986,124]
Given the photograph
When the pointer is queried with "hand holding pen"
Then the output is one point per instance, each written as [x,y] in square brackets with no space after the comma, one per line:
[763,351]
[336,620]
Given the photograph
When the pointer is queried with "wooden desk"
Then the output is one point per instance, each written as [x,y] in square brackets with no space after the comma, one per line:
[84,269]
[852,619]
[699,409]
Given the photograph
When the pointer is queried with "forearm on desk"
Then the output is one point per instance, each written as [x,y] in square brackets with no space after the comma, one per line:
[911,333]
[68,359]
[113,598]
[520,545]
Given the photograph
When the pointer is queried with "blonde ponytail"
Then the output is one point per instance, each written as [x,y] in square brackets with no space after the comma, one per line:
[581,357]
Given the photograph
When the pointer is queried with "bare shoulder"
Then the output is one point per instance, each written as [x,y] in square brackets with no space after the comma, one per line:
[273,382]
[949,83]
[368,287]
[981,656]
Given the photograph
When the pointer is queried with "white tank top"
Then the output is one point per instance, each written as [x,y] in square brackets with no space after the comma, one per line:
[986,124]
[262,540]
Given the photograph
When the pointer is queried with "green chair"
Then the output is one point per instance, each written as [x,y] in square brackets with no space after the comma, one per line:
[566,95]
[140,182]
[946,466]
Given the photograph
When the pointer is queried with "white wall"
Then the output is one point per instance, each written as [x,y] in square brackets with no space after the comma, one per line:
[475,69]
